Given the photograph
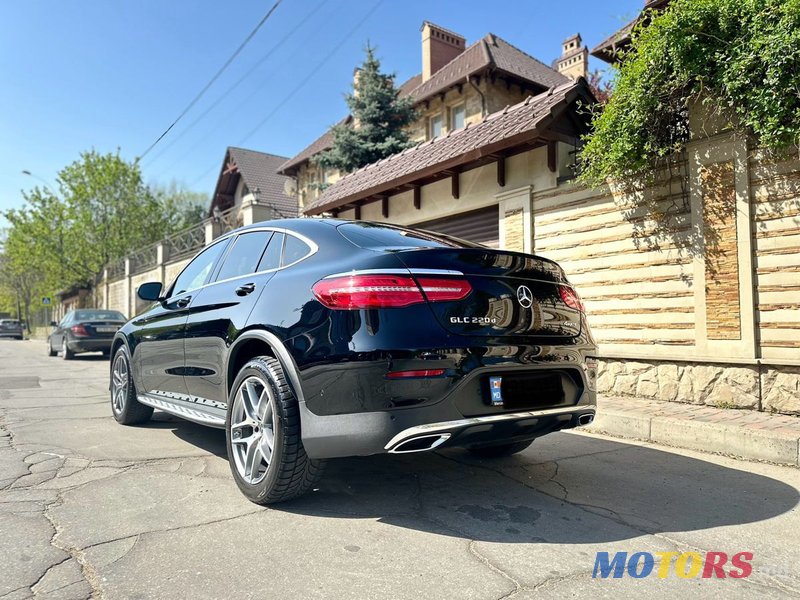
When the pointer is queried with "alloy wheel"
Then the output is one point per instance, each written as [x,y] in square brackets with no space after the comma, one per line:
[253,421]
[119,383]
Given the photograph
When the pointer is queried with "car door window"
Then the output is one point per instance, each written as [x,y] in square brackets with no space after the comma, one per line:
[245,255]
[294,249]
[272,255]
[196,272]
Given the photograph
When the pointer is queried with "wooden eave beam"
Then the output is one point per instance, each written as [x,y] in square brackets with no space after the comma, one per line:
[552,157]
[417,197]
[501,171]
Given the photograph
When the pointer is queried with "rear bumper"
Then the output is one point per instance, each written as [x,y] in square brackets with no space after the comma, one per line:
[89,345]
[9,333]
[417,430]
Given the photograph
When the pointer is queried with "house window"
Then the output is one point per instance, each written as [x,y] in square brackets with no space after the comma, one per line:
[435,126]
[457,115]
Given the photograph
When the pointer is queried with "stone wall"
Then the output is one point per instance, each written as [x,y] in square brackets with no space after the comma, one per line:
[769,388]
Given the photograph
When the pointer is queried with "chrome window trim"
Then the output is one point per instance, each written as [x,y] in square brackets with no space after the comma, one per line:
[313,249]
[396,272]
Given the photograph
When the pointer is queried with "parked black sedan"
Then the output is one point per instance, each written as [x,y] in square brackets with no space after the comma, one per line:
[11,328]
[84,330]
[309,339]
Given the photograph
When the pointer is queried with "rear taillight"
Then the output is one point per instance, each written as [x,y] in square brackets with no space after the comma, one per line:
[79,330]
[445,290]
[386,291]
[570,297]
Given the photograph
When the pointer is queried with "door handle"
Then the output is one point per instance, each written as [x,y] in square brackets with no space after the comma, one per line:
[183,302]
[247,288]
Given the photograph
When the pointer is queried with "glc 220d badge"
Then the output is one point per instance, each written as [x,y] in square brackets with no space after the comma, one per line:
[474,320]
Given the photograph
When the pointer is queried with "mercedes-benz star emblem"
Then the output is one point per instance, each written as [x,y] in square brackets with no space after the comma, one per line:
[525,296]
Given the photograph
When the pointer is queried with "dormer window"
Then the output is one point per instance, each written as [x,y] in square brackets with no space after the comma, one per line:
[435,126]
[458,114]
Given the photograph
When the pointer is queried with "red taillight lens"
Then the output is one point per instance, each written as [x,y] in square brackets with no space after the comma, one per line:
[79,330]
[386,291]
[415,374]
[368,291]
[444,290]
[570,297]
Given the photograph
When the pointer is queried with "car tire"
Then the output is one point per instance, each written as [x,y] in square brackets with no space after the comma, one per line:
[20,337]
[50,351]
[66,353]
[500,450]
[263,408]
[125,407]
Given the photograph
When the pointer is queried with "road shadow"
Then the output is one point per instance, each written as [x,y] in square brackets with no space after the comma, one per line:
[564,489]
[209,439]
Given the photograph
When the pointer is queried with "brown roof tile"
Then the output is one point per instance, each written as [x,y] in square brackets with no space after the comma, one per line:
[506,127]
[259,171]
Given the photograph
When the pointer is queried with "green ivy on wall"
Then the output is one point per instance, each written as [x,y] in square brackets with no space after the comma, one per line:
[739,58]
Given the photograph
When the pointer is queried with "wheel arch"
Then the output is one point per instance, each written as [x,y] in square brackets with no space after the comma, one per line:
[260,343]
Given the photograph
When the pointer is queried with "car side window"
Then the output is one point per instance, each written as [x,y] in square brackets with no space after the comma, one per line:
[293,250]
[196,272]
[272,255]
[245,255]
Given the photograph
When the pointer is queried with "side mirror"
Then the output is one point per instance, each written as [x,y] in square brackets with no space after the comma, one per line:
[150,291]
[53,324]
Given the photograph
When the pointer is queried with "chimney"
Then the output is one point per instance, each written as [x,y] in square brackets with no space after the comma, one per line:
[574,61]
[439,47]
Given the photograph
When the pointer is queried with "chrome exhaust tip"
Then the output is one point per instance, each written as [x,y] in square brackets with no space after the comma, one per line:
[585,419]
[420,443]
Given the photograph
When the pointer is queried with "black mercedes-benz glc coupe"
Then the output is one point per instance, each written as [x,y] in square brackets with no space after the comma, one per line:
[309,339]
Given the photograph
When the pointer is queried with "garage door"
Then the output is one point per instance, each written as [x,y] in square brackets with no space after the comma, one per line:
[481,226]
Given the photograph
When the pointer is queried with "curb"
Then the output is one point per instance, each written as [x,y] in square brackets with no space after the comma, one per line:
[752,442]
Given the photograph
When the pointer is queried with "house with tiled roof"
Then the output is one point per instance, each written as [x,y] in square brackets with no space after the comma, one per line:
[460,85]
[249,188]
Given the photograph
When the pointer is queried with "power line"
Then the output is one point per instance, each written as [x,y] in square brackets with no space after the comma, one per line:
[297,88]
[231,88]
[308,77]
[215,77]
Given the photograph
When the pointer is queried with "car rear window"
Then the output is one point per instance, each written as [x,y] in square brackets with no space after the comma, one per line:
[376,236]
[9,322]
[293,250]
[98,315]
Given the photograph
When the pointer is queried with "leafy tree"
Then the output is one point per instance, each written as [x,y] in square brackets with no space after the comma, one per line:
[380,119]
[182,208]
[102,212]
[736,57]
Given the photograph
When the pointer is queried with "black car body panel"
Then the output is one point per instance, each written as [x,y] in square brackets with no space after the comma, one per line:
[185,350]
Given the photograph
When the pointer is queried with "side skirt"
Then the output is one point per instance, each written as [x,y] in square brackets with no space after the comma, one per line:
[198,411]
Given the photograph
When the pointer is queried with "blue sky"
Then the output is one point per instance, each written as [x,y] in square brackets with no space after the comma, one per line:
[113,74]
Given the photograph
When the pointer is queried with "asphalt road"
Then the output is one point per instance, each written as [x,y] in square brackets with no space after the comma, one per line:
[89,508]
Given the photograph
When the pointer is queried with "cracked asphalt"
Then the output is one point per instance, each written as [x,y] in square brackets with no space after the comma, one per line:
[92,509]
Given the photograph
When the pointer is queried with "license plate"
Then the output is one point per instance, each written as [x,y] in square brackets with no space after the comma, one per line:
[496,391]
[105,329]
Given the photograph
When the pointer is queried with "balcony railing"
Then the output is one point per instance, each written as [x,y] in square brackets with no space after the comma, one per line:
[186,242]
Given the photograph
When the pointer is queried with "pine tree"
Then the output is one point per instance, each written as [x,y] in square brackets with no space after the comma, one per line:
[378,126]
